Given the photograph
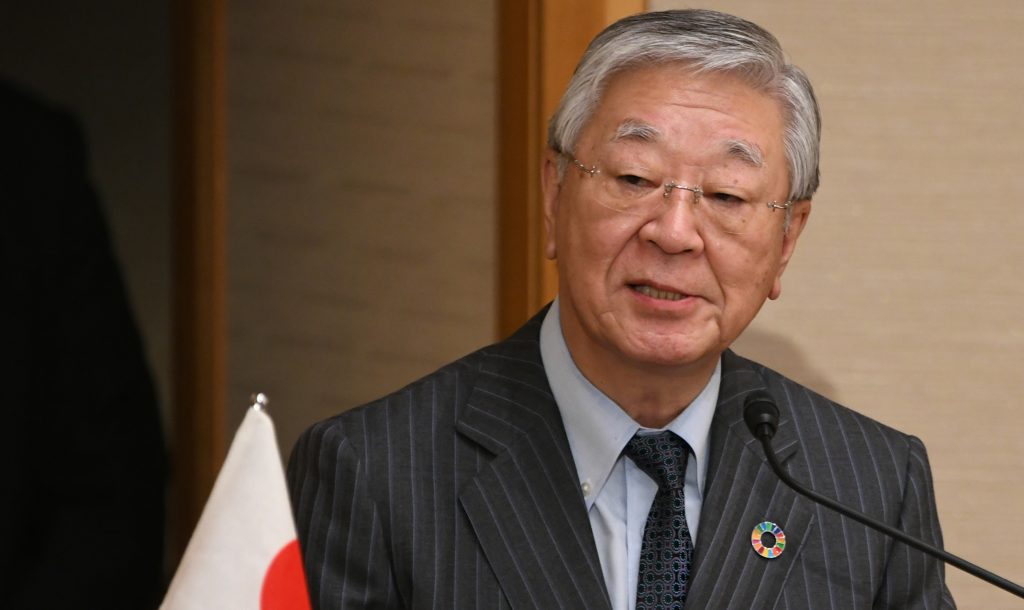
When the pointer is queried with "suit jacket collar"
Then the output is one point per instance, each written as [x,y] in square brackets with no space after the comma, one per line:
[740,378]
[743,492]
[525,505]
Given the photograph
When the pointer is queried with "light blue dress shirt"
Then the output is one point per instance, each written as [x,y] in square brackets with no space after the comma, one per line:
[617,493]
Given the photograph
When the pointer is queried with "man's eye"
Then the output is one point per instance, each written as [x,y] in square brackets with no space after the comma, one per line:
[631,180]
[725,198]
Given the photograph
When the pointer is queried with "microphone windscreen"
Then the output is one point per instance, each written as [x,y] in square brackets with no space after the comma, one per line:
[760,413]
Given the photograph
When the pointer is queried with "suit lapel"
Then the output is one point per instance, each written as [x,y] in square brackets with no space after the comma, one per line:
[742,491]
[525,505]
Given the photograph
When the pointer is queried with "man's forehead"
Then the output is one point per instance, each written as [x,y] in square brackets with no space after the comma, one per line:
[640,131]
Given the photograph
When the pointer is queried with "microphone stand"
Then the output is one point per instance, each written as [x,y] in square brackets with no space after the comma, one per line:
[764,432]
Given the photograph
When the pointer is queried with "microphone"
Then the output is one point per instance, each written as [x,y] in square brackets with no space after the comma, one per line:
[762,418]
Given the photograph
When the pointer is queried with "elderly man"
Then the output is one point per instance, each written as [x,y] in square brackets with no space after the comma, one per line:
[598,457]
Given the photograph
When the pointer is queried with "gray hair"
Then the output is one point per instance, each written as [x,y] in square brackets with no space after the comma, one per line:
[706,41]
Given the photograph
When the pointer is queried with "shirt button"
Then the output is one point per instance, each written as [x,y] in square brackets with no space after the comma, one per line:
[585,486]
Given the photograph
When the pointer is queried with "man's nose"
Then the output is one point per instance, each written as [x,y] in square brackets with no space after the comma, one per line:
[676,226]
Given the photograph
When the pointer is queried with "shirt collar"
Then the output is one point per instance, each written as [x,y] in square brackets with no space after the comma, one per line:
[597,428]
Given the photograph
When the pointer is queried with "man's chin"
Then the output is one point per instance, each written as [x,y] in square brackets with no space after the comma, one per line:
[675,354]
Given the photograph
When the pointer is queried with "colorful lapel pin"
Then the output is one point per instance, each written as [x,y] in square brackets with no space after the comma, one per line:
[768,540]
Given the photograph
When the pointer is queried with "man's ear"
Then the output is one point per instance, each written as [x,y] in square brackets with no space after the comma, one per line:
[799,213]
[551,185]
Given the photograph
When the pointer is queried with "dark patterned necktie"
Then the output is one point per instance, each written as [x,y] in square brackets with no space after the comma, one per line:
[667,551]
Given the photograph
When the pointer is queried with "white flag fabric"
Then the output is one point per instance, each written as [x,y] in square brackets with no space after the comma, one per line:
[244,553]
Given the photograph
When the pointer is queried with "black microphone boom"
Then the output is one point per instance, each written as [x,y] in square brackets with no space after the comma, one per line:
[762,417]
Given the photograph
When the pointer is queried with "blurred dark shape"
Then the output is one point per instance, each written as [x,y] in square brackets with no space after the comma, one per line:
[82,459]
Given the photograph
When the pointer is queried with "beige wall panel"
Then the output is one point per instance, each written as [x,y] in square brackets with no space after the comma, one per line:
[904,299]
[361,203]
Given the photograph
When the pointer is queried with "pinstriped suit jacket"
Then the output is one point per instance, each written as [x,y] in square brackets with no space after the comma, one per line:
[459,491]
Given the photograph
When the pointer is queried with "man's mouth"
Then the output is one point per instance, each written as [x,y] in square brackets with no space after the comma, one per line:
[654,293]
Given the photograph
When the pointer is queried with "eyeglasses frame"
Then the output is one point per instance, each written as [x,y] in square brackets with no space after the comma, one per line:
[698,192]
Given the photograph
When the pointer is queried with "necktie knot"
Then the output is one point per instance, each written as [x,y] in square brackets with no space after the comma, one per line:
[661,456]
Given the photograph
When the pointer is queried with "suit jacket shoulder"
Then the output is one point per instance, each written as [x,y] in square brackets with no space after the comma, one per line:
[458,490]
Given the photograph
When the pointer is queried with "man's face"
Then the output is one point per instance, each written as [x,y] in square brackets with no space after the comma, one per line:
[667,288]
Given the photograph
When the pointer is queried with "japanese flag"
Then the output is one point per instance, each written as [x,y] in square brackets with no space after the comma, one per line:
[244,552]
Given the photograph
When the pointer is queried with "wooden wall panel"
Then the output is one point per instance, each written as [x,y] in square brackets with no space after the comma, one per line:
[199,194]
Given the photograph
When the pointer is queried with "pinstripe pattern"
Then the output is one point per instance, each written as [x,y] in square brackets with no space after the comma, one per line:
[830,561]
[459,491]
[448,494]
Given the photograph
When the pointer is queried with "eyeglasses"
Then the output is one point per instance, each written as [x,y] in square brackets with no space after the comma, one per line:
[639,196]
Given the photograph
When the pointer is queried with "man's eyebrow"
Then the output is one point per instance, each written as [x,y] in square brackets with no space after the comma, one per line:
[742,150]
[632,129]
[745,151]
